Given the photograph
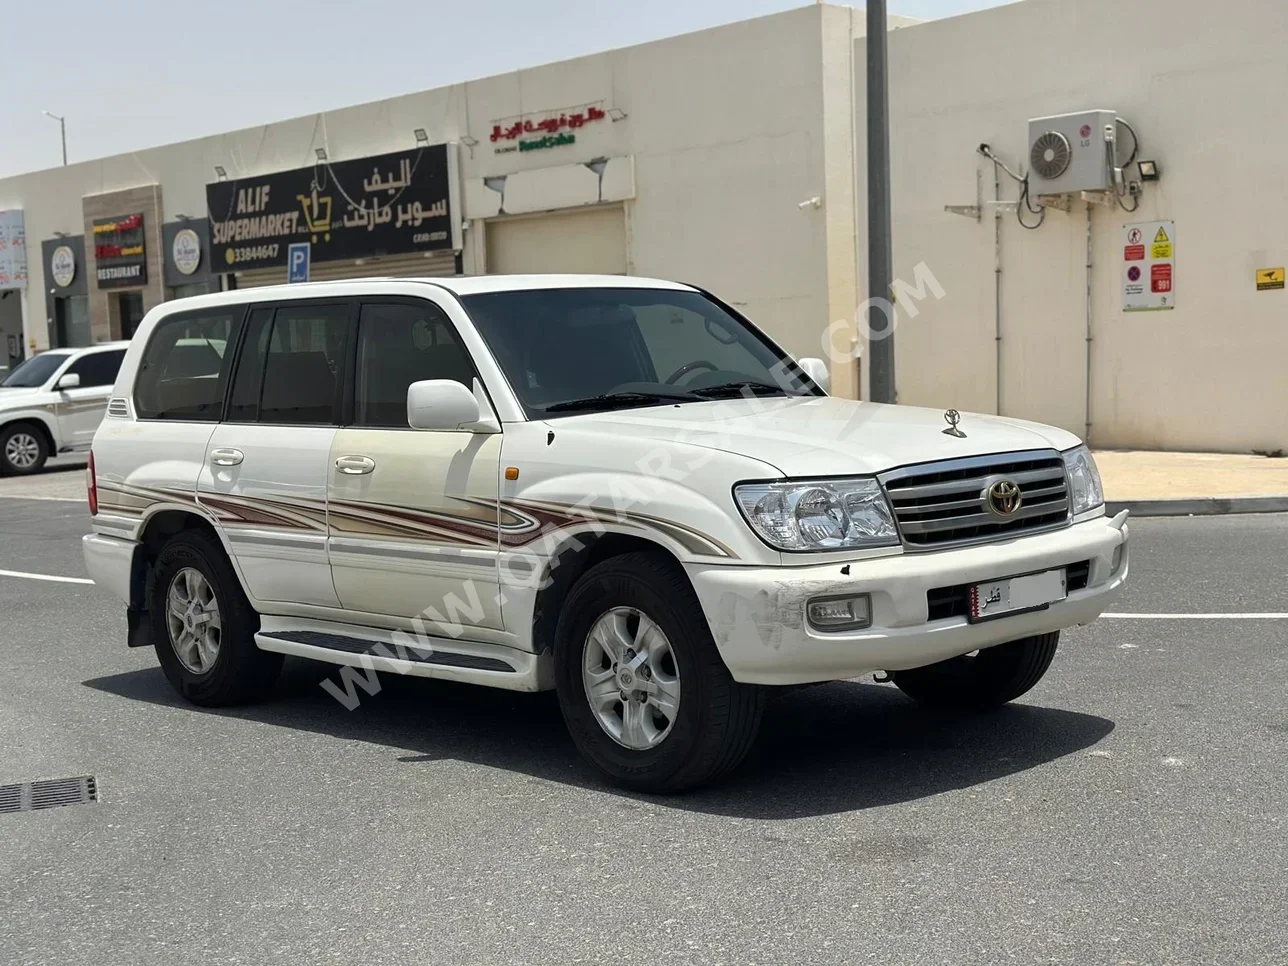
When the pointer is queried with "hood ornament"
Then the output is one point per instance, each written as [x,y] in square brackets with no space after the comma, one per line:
[953,417]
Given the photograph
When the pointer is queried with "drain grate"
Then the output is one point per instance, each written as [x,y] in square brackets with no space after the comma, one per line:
[55,793]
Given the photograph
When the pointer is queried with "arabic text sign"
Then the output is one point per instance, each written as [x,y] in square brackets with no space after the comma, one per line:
[1148,266]
[13,250]
[390,204]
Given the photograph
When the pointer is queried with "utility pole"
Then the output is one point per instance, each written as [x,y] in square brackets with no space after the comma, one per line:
[62,126]
[880,260]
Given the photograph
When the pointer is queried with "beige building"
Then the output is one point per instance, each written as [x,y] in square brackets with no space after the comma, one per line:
[729,158]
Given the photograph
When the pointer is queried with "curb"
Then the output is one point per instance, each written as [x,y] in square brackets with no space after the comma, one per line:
[1203,506]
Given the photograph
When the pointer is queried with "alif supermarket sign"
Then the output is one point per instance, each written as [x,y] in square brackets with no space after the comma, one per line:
[389,204]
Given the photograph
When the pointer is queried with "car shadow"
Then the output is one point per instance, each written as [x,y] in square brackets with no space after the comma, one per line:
[822,750]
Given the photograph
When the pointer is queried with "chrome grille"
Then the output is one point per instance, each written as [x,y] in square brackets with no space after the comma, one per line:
[945,503]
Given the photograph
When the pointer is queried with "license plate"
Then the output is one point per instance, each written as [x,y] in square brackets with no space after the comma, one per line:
[998,598]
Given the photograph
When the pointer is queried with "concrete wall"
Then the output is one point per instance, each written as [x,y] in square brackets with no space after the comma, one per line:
[1204,86]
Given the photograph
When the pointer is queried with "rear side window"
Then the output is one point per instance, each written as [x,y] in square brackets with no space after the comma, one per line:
[98,369]
[290,366]
[185,366]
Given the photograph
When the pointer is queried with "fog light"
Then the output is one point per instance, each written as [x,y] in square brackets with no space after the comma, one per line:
[840,613]
[1118,558]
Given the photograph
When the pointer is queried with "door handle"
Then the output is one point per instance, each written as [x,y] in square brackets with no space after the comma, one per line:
[355,465]
[226,457]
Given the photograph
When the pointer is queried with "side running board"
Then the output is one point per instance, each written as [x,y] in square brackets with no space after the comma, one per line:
[400,652]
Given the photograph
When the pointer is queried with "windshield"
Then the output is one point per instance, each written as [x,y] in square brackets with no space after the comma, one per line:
[35,371]
[585,349]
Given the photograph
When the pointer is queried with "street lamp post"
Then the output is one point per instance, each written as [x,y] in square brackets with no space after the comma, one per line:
[880,269]
[62,127]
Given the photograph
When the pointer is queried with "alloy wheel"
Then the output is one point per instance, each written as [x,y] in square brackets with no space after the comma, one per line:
[22,450]
[192,615]
[631,678]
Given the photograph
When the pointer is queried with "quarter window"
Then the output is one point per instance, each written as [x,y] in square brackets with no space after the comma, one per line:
[184,367]
[400,343]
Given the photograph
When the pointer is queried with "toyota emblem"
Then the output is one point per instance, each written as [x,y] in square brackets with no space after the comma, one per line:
[1004,498]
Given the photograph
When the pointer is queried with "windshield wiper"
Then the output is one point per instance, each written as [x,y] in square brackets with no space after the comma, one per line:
[612,399]
[743,387]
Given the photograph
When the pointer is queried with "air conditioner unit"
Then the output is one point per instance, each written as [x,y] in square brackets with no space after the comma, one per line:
[1068,154]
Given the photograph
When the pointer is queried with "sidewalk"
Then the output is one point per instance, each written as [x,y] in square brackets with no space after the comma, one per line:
[1181,483]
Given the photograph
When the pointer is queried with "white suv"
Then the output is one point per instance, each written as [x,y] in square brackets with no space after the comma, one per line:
[617,488]
[52,404]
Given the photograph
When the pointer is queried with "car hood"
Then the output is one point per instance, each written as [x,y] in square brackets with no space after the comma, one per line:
[822,436]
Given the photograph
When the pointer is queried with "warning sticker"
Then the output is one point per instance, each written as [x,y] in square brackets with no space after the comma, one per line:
[1160,277]
[1149,272]
[1270,279]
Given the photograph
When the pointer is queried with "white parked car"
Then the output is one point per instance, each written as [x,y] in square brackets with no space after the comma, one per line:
[52,404]
[617,488]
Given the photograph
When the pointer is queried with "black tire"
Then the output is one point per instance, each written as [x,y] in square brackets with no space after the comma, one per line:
[241,671]
[7,466]
[983,681]
[717,718]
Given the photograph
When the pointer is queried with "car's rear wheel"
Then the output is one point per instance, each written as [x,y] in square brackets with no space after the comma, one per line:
[23,450]
[203,625]
[642,687]
[987,679]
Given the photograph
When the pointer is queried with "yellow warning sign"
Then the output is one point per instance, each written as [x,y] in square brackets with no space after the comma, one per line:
[1269,279]
[1160,249]
[1161,236]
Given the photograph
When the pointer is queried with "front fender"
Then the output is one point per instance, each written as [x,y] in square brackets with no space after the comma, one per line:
[34,414]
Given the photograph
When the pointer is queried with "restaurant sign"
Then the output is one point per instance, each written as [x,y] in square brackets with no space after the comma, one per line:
[390,204]
[120,256]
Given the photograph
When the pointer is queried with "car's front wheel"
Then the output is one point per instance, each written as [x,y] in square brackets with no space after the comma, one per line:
[203,625]
[987,679]
[642,687]
[23,450]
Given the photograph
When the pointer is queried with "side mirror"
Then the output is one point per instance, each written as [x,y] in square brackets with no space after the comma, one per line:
[816,369]
[68,380]
[447,406]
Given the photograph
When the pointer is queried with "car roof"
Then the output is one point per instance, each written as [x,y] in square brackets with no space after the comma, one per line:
[80,350]
[460,285]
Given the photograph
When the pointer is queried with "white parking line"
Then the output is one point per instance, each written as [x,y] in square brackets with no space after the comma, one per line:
[47,499]
[50,577]
[1262,616]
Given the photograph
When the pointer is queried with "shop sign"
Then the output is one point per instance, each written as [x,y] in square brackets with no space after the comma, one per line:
[13,250]
[1148,273]
[120,256]
[542,132]
[390,204]
[62,266]
[186,251]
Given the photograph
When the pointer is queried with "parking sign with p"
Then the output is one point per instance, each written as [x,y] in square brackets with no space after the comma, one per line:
[297,262]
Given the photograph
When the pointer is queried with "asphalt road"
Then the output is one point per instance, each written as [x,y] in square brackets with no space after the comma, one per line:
[1130,810]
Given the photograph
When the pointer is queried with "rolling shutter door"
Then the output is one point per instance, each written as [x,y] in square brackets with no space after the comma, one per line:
[415,265]
[591,241]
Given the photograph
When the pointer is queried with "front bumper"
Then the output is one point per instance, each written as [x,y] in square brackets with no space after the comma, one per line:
[757,614]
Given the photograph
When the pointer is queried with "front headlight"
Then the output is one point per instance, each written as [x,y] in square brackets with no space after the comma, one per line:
[818,514]
[1085,491]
